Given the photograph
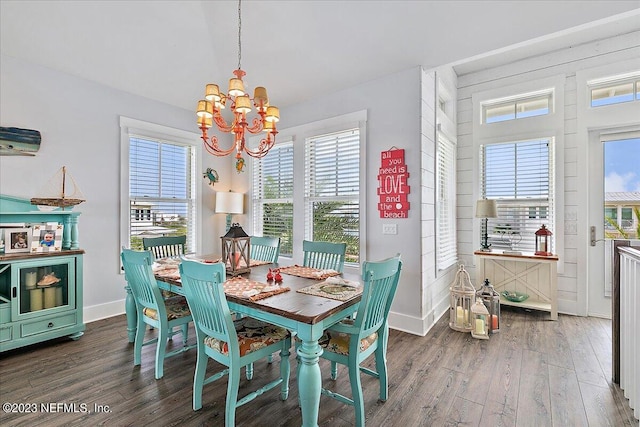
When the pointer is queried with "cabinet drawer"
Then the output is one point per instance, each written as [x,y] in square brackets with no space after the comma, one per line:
[6,333]
[51,324]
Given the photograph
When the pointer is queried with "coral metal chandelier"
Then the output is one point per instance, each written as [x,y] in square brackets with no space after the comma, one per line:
[210,108]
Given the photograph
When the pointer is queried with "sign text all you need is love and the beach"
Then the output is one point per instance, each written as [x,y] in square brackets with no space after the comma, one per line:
[392,185]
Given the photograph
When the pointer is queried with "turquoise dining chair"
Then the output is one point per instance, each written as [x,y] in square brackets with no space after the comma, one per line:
[324,255]
[153,310]
[265,248]
[233,344]
[165,246]
[351,341]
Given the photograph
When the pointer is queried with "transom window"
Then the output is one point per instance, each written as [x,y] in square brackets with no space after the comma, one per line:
[517,107]
[614,90]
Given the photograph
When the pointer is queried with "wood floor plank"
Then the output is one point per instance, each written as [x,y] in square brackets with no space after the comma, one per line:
[463,413]
[567,408]
[445,378]
[534,405]
[600,406]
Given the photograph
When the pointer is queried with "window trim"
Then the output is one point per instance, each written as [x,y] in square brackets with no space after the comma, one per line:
[133,127]
[545,126]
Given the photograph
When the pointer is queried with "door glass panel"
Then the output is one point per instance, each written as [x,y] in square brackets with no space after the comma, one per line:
[43,288]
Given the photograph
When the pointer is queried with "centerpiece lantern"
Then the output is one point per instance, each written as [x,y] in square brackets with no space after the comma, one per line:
[491,299]
[480,320]
[543,241]
[462,296]
[235,250]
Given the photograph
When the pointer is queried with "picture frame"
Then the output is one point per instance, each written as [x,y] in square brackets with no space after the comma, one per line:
[17,240]
[46,238]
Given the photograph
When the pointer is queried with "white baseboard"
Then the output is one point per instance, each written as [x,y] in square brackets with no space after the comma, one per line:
[103,311]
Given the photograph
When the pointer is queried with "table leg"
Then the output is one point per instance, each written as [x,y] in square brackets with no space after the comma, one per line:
[309,382]
[132,315]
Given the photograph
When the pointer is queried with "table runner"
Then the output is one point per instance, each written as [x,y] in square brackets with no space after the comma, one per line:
[242,288]
[332,290]
[308,272]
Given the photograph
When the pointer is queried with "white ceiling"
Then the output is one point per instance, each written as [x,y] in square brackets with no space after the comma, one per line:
[168,50]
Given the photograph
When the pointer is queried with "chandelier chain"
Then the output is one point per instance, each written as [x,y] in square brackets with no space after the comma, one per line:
[239,33]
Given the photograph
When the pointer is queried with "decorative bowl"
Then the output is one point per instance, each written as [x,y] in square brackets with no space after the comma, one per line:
[515,296]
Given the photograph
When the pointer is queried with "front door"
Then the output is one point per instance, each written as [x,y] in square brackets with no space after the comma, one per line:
[613,168]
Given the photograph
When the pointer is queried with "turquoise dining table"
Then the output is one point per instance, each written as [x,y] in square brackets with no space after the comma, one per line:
[307,315]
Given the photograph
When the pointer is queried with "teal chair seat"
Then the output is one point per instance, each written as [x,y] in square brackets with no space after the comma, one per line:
[233,344]
[351,341]
[324,255]
[153,310]
[265,248]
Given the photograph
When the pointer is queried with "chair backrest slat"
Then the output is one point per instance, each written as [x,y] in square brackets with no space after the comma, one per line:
[165,246]
[380,284]
[324,255]
[265,248]
[204,290]
[139,276]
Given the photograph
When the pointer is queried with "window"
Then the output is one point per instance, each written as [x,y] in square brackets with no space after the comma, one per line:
[273,196]
[614,90]
[517,107]
[332,190]
[159,186]
[446,203]
[519,175]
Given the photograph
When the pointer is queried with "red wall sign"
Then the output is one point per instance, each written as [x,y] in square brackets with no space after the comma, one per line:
[392,185]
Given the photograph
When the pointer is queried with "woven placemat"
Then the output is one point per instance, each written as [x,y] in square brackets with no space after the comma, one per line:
[238,286]
[333,291]
[308,272]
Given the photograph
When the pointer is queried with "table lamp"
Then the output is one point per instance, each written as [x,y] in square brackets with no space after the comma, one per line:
[486,208]
[229,203]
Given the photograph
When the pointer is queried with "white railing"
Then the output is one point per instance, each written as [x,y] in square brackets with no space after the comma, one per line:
[630,325]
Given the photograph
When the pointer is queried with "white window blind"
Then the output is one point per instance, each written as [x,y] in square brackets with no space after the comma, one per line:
[273,196]
[446,254]
[519,175]
[332,190]
[161,190]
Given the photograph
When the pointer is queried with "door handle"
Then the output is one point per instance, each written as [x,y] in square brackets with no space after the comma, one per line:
[593,235]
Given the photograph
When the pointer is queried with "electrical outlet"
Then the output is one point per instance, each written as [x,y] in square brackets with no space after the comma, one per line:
[389,228]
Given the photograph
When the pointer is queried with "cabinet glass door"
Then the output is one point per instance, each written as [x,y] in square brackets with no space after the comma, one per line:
[45,286]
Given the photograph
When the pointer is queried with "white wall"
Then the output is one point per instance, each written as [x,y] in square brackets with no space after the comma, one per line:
[79,122]
[566,63]
[393,105]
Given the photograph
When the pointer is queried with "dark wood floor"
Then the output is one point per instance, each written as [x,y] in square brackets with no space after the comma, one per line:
[535,372]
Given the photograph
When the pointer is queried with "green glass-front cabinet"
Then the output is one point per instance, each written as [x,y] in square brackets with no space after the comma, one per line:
[40,292]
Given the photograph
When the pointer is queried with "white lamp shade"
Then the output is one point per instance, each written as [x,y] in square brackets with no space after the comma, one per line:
[229,202]
[486,208]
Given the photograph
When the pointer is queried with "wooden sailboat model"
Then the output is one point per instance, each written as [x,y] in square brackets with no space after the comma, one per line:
[61,191]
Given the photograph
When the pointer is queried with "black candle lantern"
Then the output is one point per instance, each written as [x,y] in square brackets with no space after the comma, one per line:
[543,241]
[491,299]
[235,250]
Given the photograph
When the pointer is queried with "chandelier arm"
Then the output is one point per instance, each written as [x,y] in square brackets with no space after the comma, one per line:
[212,146]
[222,124]
[256,126]
[263,148]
